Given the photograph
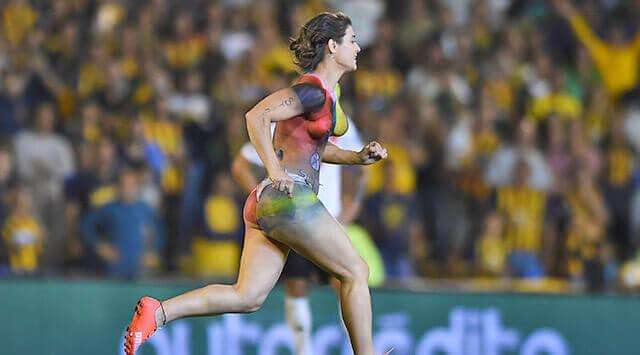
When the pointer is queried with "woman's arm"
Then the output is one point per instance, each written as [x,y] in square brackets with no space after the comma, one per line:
[279,106]
[369,154]
[334,155]
[596,47]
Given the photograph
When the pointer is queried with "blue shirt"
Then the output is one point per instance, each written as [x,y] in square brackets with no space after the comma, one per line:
[132,228]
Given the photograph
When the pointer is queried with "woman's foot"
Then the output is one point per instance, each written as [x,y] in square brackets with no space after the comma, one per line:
[143,324]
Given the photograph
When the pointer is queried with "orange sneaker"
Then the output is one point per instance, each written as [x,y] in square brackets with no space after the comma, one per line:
[143,324]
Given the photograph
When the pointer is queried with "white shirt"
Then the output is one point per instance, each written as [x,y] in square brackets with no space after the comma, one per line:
[330,192]
[53,151]
[500,170]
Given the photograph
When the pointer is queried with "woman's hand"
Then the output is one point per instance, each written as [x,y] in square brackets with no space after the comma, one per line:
[372,153]
[282,182]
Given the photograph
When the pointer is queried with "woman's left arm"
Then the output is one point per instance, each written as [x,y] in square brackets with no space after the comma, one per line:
[369,154]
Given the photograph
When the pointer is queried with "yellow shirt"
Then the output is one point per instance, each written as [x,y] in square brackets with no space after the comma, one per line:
[621,165]
[386,83]
[92,78]
[492,253]
[524,209]
[102,195]
[618,65]
[168,136]
[222,214]
[584,237]
[185,54]
[404,171]
[18,21]
[502,92]
[277,58]
[24,238]
[561,103]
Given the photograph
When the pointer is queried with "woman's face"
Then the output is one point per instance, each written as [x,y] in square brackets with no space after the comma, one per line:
[346,52]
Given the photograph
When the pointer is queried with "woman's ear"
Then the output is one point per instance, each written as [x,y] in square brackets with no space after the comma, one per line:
[332,45]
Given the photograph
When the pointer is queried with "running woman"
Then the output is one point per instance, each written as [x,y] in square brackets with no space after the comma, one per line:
[283,212]
[298,271]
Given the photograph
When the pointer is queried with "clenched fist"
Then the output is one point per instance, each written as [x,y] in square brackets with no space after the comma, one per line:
[372,153]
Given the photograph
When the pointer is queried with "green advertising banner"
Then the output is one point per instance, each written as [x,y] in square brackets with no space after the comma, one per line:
[84,317]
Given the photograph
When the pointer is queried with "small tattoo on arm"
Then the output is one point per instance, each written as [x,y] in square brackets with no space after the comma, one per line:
[287,102]
[266,112]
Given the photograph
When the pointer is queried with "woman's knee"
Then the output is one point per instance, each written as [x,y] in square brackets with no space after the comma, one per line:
[249,301]
[357,271]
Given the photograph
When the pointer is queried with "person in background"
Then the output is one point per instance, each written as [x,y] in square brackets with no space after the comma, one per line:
[44,159]
[587,247]
[15,103]
[500,168]
[164,138]
[618,183]
[132,232]
[22,234]
[77,189]
[398,231]
[491,253]
[216,252]
[7,178]
[523,212]
[616,58]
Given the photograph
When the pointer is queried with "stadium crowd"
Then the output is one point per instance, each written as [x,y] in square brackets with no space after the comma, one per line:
[513,129]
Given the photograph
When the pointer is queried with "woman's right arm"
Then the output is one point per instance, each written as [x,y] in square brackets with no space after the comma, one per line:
[281,105]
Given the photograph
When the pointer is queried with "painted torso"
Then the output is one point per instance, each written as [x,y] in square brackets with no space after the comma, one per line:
[300,141]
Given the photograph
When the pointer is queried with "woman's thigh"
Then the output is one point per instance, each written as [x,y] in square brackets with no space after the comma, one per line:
[261,262]
[309,229]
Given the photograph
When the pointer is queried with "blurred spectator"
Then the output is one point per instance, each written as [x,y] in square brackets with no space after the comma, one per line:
[19,19]
[618,187]
[491,248]
[500,170]
[193,110]
[43,160]
[523,209]
[364,16]
[379,81]
[15,104]
[7,180]
[635,219]
[165,153]
[131,237]
[187,47]
[236,39]
[616,58]
[78,188]
[558,155]
[395,218]
[393,131]
[23,235]
[216,251]
[587,246]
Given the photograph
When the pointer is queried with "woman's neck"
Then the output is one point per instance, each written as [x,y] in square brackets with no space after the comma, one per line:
[330,73]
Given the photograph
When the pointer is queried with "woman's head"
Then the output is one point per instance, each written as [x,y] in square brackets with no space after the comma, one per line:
[328,34]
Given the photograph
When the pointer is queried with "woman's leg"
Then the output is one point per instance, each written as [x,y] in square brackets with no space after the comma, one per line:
[316,235]
[260,266]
